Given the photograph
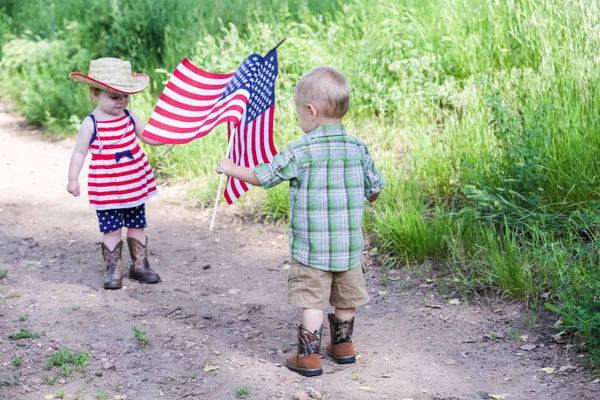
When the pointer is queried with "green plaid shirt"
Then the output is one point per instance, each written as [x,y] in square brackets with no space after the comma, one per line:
[331,175]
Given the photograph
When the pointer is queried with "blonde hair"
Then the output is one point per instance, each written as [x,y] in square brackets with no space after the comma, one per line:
[325,87]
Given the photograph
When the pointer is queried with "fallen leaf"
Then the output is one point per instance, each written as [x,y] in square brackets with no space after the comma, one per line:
[497,396]
[382,293]
[364,388]
[210,368]
[524,338]
[454,302]
[597,380]
[547,370]
[528,347]
[467,378]
[433,306]
[508,379]
[286,266]
[49,396]
[91,295]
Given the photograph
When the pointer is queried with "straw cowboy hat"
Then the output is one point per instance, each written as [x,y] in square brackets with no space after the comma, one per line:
[113,75]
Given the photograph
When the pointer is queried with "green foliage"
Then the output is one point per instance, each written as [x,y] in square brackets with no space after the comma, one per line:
[8,379]
[3,273]
[23,317]
[25,334]
[242,391]
[102,395]
[17,361]
[140,336]
[68,361]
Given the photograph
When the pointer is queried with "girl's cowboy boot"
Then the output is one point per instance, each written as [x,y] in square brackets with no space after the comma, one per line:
[140,267]
[341,347]
[307,362]
[114,269]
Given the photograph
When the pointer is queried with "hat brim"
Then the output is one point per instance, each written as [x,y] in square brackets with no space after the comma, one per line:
[140,82]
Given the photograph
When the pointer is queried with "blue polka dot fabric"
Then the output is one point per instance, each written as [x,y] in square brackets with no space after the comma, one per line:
[112,220]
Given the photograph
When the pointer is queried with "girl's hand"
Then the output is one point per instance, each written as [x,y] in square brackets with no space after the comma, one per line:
[73,188]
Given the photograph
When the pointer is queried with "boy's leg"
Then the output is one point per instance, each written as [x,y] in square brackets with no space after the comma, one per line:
[348,291]
[308,288]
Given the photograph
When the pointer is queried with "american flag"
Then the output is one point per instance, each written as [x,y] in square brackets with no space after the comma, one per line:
[253,136]
[195,101]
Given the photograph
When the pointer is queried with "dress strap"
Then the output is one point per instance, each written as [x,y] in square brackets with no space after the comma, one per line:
[95,129]
[130,117]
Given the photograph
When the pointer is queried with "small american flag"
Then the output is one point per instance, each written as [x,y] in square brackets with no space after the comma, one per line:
[253,136]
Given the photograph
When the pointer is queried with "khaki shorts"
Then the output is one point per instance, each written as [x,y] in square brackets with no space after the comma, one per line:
[312,288]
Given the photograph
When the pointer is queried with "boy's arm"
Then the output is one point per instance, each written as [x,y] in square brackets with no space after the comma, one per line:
[374,180]
[229,168]
[86,130]
[139,130]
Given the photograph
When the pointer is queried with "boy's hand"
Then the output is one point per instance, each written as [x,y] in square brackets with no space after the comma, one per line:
[225,166]
[73,188]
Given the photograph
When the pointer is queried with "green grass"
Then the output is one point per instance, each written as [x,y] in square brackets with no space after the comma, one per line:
[25,334]
[17,361]
[140,336]
[242,391]
[23,317]
[68,361]
[8,379]
[482,115]
[3,273]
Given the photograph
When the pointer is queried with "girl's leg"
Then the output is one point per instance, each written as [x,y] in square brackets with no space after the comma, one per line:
[138,234]
[111,239]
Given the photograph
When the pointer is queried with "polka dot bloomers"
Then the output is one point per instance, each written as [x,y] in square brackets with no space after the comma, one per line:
[112,220]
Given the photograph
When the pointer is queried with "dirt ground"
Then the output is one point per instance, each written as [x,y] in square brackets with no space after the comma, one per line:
[219,323]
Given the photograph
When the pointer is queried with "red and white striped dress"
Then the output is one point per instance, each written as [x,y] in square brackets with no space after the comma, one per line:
[119,174]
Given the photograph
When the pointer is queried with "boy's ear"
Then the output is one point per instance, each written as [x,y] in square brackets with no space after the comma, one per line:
[313,110]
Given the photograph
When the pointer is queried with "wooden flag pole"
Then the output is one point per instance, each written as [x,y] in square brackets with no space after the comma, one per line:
[214,215]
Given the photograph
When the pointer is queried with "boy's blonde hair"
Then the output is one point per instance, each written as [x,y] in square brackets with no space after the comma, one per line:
[325,87]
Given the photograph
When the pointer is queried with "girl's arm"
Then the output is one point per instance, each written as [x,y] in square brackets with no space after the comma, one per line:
[139,130]
[78,157]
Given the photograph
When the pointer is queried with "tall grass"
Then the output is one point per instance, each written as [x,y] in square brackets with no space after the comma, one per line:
[483,115]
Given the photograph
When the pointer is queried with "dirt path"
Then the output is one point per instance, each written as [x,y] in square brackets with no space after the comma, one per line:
[222,303]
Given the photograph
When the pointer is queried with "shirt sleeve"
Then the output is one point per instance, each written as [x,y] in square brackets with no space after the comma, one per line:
[374,180]
[283,167]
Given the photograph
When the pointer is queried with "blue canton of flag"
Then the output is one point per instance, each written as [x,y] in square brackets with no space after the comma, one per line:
[256,75]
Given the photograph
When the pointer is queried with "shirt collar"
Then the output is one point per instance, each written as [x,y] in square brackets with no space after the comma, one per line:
[327,130]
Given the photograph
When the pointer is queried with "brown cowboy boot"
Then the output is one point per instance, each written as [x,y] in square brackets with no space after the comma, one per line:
[114,270]
[341,347]
[307,362]
[140,267]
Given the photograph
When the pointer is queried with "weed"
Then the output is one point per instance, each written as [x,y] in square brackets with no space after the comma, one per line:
[51,380]
[102,395]
[23,317]
[492,336]
[285,348]
[25,334]
[68,361]
[3,273]
[17,361]
[8,380]
[514,334]
[242,391]
[60,395]
[140,336]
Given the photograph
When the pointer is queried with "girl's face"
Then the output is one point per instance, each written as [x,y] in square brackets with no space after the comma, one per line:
[111,103]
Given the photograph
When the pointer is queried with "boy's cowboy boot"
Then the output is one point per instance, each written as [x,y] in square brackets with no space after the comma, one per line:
[114,269]
[341,347]
[140,267]
[307,362]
